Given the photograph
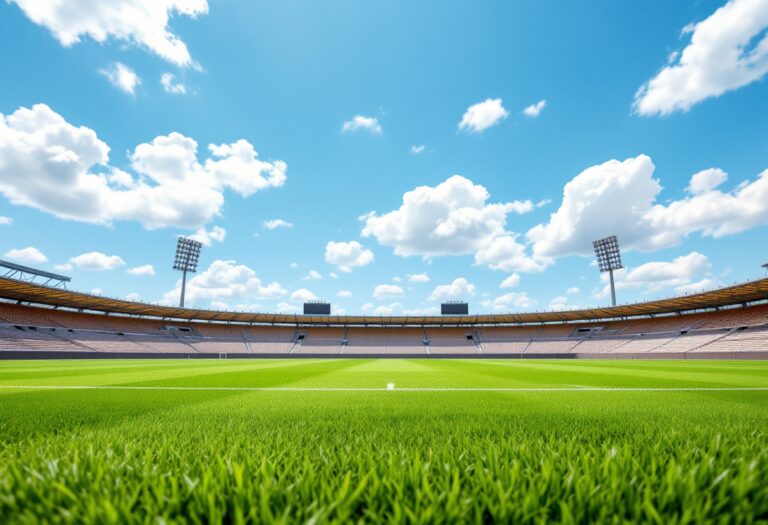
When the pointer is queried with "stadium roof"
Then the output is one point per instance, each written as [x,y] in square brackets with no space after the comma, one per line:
[26,292]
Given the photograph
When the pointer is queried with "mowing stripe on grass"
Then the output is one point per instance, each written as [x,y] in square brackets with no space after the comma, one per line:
[385,389]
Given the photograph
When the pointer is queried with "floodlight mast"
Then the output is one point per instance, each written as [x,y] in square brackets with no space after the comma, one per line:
[608,259]
[187,255]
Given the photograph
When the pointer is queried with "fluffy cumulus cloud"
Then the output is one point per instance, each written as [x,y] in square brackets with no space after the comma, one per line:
[5,221]
[452,218]
[312,275]
[347,255]
[611,198]
[146,269]
[362,123]
[728,50]
[142,23]
[561,303]
[418,278]
[481,116]
[96,261]
[208,237]
[30,255]
[620,197]
[274,224]
[122,77]
[49,164]
[225,282]
[171,85]
[509,302]
[706,180]
[303,295]
[344,294]
[460,288]
[684,274]
[511,281]
[416,150]
[534,110]
[387,291]
[506,254]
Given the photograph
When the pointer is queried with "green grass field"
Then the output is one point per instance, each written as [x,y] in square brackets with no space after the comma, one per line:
[456,441]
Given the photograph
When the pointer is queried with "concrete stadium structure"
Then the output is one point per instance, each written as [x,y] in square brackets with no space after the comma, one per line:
[44,322]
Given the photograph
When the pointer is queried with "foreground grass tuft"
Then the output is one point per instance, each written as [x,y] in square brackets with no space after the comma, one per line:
[145,456]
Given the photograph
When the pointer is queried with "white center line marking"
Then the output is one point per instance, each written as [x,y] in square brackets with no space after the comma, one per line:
[366,389]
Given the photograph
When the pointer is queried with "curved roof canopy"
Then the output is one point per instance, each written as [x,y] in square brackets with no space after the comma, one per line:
[25,292]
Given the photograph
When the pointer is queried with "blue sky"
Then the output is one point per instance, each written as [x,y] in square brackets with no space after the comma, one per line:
[638,98]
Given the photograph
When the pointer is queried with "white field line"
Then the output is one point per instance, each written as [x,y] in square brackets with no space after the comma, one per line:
[386,389]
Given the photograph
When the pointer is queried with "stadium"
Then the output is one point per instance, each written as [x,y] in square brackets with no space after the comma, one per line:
[383,262]
[52,322]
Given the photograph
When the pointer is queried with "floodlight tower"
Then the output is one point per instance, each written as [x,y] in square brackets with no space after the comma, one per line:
[608,259]
[187,255]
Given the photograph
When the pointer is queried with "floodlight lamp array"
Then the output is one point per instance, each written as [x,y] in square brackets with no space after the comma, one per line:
[187,255]
[608,254]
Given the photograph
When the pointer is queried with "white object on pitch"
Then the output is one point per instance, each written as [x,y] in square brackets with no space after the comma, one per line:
[390,386]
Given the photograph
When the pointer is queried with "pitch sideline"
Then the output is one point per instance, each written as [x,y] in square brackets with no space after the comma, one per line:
[383,389]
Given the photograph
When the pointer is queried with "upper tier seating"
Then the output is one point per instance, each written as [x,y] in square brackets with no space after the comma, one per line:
[735,330]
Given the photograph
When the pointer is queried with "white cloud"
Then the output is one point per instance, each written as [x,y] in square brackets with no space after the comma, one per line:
[5,221]
[504,253]
[347,255]
[452,218]
[387,291]
[418,278]
[611,198]
[333,275]
[390,309]
[143,23]
[303,295]
[620,198]
[133,296]
[274,224]
[170,85]
[397,279]
[312,275]
[460,288]
[30,254]
[344,293]
[122,77]
[360,122]
[53,166]
[572,290]
[97,291]
[511,281]
[207,237]
[225,281]
[698,286]
[534,110]
[560,303]
[483,115]
[96,261]
[728,50]
[287,308]
[684,274]
[706,180]
[510,301]
[146,269]
[415,150]
[293,265]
